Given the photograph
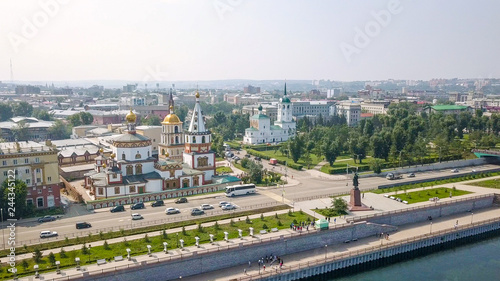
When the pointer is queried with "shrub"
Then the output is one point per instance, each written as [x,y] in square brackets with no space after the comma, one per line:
[216,225]
[264,226]
[184,230]
[101,234]
[295,221]
[247,220]
[279,223]
[62,254]
[25,265]
[262,217]
[200,228]
[276,215]
[164,234]
[37,255]
[106,245]
[85,250]
[232,223]
[146,238]
[290,212]
[52,259]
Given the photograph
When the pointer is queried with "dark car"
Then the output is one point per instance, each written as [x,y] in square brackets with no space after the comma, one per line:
[83,225]
[136,206]
[46,218]
[196,212]
[157,203]
[181,200]
[257,158]
[118,208]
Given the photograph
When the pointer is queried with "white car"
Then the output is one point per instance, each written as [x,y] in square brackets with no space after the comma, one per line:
[206,206]
[171,211]
[47,234]
[455,171]
[228,207]
[137,216]
[222,203]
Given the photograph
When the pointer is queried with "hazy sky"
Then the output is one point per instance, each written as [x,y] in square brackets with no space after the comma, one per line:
[148,40]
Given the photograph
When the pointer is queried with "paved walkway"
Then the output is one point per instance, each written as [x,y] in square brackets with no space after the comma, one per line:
[292,260]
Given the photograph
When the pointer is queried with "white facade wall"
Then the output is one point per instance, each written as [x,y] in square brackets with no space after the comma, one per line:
[130,153]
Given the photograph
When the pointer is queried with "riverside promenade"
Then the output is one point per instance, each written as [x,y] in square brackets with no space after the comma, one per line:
[291,261]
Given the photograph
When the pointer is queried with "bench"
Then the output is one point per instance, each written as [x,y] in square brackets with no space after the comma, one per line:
[274,229]
[263,231]
[118,258]
[405,202]
[393,198]
[386,195]
[101,261]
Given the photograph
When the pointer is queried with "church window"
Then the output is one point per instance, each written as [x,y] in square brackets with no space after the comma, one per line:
[194,139]
[148,154]
[117,190]
[195,127]
[173,184]
[288,106]
[185,183]
[202,161]
[283,106]
[138,169]
[176,139]
[132,189]
[196,119]
[123,156]
[203,139]
[101,191]
[163,152]
[138,155]
[130,170]
[176,129]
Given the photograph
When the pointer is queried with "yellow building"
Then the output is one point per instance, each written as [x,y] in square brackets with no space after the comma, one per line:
[36,165]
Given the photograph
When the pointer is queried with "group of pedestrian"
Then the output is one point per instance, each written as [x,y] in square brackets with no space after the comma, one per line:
[268,260]
[301,226]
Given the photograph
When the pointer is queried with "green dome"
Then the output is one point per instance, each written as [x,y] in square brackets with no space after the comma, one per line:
[285,99]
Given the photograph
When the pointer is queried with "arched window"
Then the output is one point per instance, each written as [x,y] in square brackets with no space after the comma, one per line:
[176,129]
[130,170]
[194,139]
[163,151]
[288,106]
[195,127]
[203,139]
[176,140]
[123,156]
[138,155]
[138,169]
[148,153]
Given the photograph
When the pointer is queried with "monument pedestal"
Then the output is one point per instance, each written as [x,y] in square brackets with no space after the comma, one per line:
[355,202]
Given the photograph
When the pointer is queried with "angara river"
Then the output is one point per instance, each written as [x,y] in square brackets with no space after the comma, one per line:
[479,261]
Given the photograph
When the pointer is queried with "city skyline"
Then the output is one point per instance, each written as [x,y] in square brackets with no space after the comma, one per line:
[172,40]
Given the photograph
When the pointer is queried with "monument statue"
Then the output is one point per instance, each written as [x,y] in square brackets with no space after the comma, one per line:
[355,181]
[355,203]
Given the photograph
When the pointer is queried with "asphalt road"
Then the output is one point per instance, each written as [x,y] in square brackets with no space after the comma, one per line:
[307,185]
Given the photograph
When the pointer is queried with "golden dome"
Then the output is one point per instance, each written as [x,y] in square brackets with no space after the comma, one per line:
[197,95]
[166,154]
[171,118]
[101,150]
[131,117]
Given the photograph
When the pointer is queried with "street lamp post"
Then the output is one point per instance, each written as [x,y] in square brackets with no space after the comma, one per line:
[471,218]
[430,229]
[130,201]
[326,251]
[177,240]
[90,246]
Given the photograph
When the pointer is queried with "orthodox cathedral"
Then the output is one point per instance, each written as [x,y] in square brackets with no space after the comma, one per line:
[261,130]
[185,159]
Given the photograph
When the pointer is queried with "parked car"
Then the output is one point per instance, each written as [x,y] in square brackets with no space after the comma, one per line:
[118,208]
[455,171]
[171,211]
[248,156]
[196,211]
[47,218]
[136,216]
[139,205]
[206,206]
[47,234]
[222,203]
[236,158]
[411,175]
[474,170]
[181,200]
[229,154]
[228,207]
[157,203]
[83,225]
[257,158]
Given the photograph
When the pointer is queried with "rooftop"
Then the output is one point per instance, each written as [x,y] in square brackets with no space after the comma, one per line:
[449,107]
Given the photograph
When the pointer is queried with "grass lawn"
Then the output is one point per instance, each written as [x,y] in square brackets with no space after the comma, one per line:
[495,183]
[314,159]
[325,213]
[223,169]
[138,246]
[238,165]
[425,195]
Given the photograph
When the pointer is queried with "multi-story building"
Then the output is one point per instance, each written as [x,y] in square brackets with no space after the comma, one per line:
[268,109]
[375,108]
[449,109]
[351,111]
[36,165]
[25,90]
[26,128]
[313,108]
[251,89]
[153,133]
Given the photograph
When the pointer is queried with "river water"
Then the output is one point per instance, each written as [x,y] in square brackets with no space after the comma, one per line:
[478,261]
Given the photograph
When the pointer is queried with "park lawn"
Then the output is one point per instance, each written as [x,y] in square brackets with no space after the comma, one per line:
[238,165]
[425,195]
[494,183]
[277,155]
[223,169]
[139,246]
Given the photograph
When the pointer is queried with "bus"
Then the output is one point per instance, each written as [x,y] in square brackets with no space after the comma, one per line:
[242,189]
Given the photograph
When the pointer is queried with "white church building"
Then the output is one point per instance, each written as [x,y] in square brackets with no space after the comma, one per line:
[261,130]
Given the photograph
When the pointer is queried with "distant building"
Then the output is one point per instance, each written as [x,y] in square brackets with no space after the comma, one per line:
[270,110]
[130,88]
[449,109]
[331,93]
[303,108]
[375,108]
[34,129]
[251,90]
[25,90]
[153,133]
[351,112]
[36,165]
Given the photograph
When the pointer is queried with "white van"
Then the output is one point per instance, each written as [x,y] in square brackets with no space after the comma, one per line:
[47,234]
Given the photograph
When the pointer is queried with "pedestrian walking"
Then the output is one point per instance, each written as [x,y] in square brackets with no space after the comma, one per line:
[363,195]
[249,264]
[245,271]
[335,220]
[264,267]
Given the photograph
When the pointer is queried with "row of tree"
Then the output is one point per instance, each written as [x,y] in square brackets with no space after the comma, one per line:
[402,135]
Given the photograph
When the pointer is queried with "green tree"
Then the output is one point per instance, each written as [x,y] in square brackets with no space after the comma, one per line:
[339,206]
[75,120]
[376,165]
[5,112]
[25,264]
[52,259]
[255,172]
[87,118]
[18,201]
[21,131]
[22,109]
[37,255]
[59,130]
[151,120]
